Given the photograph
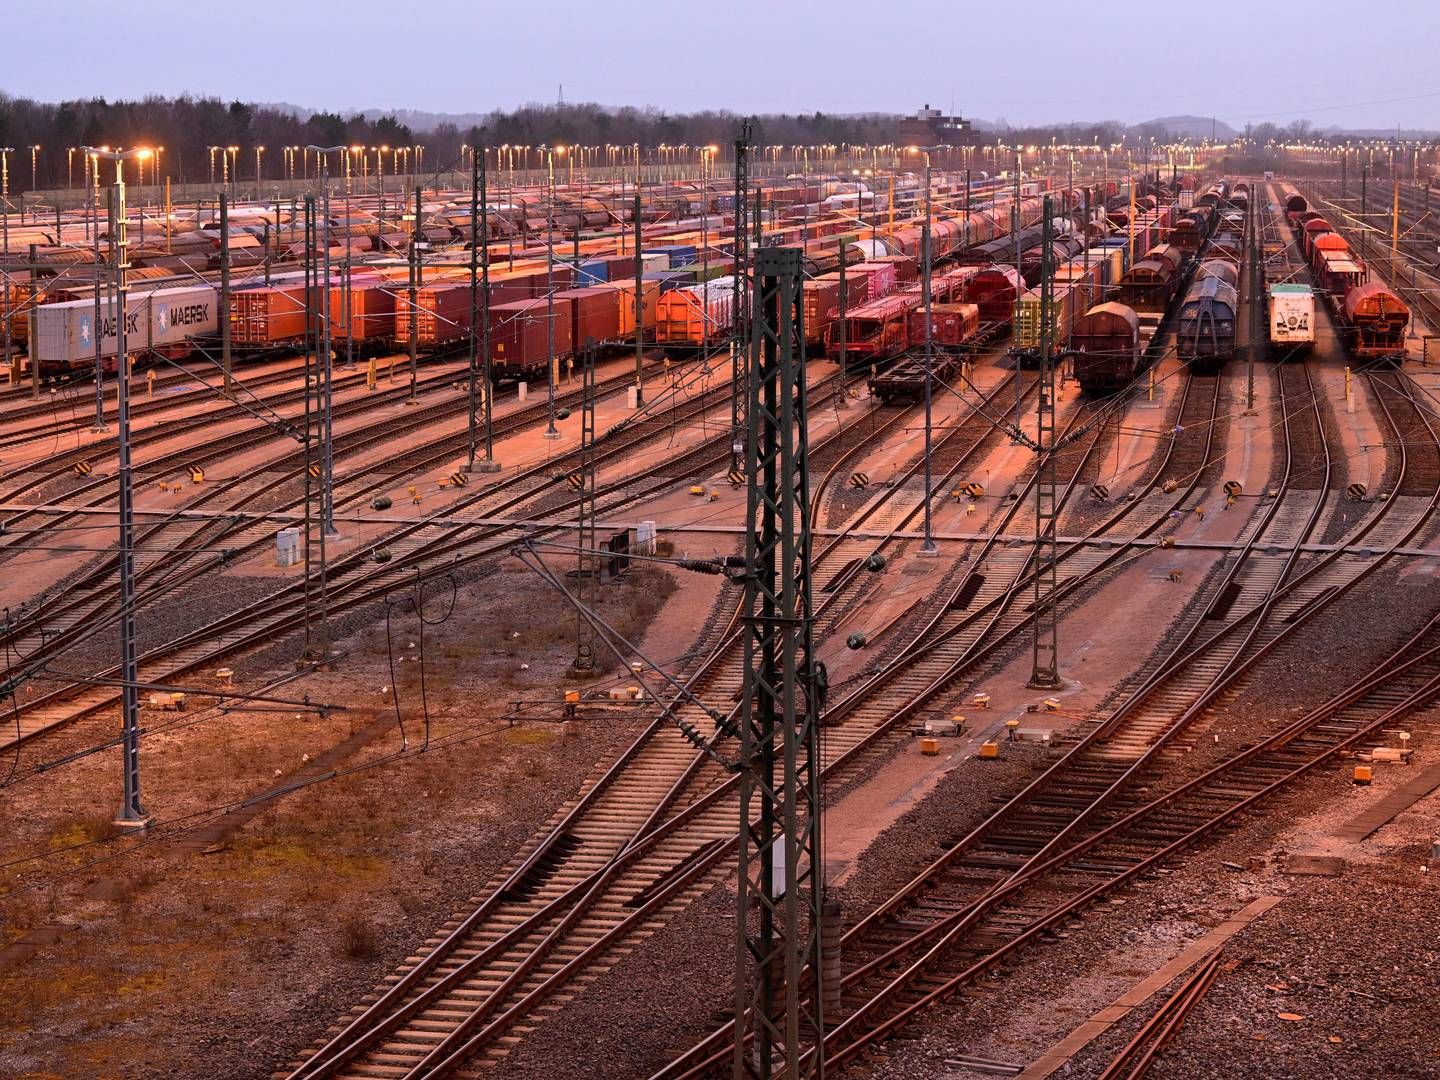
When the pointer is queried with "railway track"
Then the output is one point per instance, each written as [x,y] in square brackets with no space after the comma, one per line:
[161,547]
[354,579]
[33,421]
[1031,865]
[568,892]
[667,860]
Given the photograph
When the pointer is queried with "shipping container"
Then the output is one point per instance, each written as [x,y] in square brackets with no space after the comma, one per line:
[364,312]
[696,314]
[669,279]
[267,317]
[594,315]
[1292,319]
[676,255]
[165,321]
[593,272]
[520,337]
[649,306]
[442,316]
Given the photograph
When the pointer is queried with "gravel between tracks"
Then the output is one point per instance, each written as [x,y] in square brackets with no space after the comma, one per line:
[225,964]
[1365,932]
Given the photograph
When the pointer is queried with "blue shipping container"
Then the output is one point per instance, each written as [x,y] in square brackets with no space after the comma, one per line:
[594,272]
[680,254]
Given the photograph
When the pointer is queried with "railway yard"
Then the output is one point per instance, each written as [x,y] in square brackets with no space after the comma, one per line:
[395,562]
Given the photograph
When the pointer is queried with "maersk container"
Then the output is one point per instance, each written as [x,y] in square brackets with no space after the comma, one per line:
[181,314]
[62,336]
[165,319]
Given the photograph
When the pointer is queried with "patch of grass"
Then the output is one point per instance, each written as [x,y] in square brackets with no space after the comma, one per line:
[84,830]
[358,940]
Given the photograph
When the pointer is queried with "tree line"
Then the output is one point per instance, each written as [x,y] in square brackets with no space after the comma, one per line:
[188,127]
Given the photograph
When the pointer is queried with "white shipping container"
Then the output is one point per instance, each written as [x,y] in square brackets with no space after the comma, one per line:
[175,315]
[64,334]
[715,298]
[1292,316]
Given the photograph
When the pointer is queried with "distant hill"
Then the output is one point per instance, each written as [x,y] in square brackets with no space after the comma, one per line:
[1193,127]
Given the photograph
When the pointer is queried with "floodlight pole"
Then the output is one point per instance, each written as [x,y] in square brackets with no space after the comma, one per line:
[132,814]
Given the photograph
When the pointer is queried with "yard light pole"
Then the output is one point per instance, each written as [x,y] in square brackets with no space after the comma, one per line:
[327,456]
[132,813]
[552,372]
[927,547]
[5,152]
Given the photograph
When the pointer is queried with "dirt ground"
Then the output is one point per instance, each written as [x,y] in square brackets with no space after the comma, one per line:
[181,960]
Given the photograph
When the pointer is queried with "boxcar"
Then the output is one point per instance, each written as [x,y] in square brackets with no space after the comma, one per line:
[994,290]
[1107,349]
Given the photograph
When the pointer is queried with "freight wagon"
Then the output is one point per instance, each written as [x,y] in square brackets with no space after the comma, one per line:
[906,380]
[1377,321]
[953,327]
[875,331]
[1109,345]
[696,315]
[166,322]
[521,341]
[994,290]
[1291,309]
[1152,282]
[1205,337]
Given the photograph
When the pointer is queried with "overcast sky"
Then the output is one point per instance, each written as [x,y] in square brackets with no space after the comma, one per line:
[1026,63]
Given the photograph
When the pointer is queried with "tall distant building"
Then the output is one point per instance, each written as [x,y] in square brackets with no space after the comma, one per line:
[931,127]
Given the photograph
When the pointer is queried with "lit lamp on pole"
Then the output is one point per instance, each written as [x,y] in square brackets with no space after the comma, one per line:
[132,814]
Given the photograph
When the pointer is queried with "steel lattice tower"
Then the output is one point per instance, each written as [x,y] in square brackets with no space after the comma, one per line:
[587,565]
[738,393]
[781,876]
[1045,669]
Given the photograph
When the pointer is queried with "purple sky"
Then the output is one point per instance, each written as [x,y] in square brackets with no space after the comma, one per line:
[1132,63]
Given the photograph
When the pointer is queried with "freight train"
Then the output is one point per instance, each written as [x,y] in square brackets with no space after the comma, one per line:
[1372,319]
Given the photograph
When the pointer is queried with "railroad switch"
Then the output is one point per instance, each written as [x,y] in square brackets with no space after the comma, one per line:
[981,701]
[1012,730]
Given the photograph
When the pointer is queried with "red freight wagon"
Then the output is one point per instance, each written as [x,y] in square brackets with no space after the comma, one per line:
[994,290]
[369,313]
[876,330]
[881,277]
[1378,318]
[267,317]
[907,270]
[946,286]
[443,315]
[520,336]
[951,325]
[595,314]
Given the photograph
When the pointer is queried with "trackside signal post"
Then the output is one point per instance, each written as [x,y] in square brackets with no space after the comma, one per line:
[781,875]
